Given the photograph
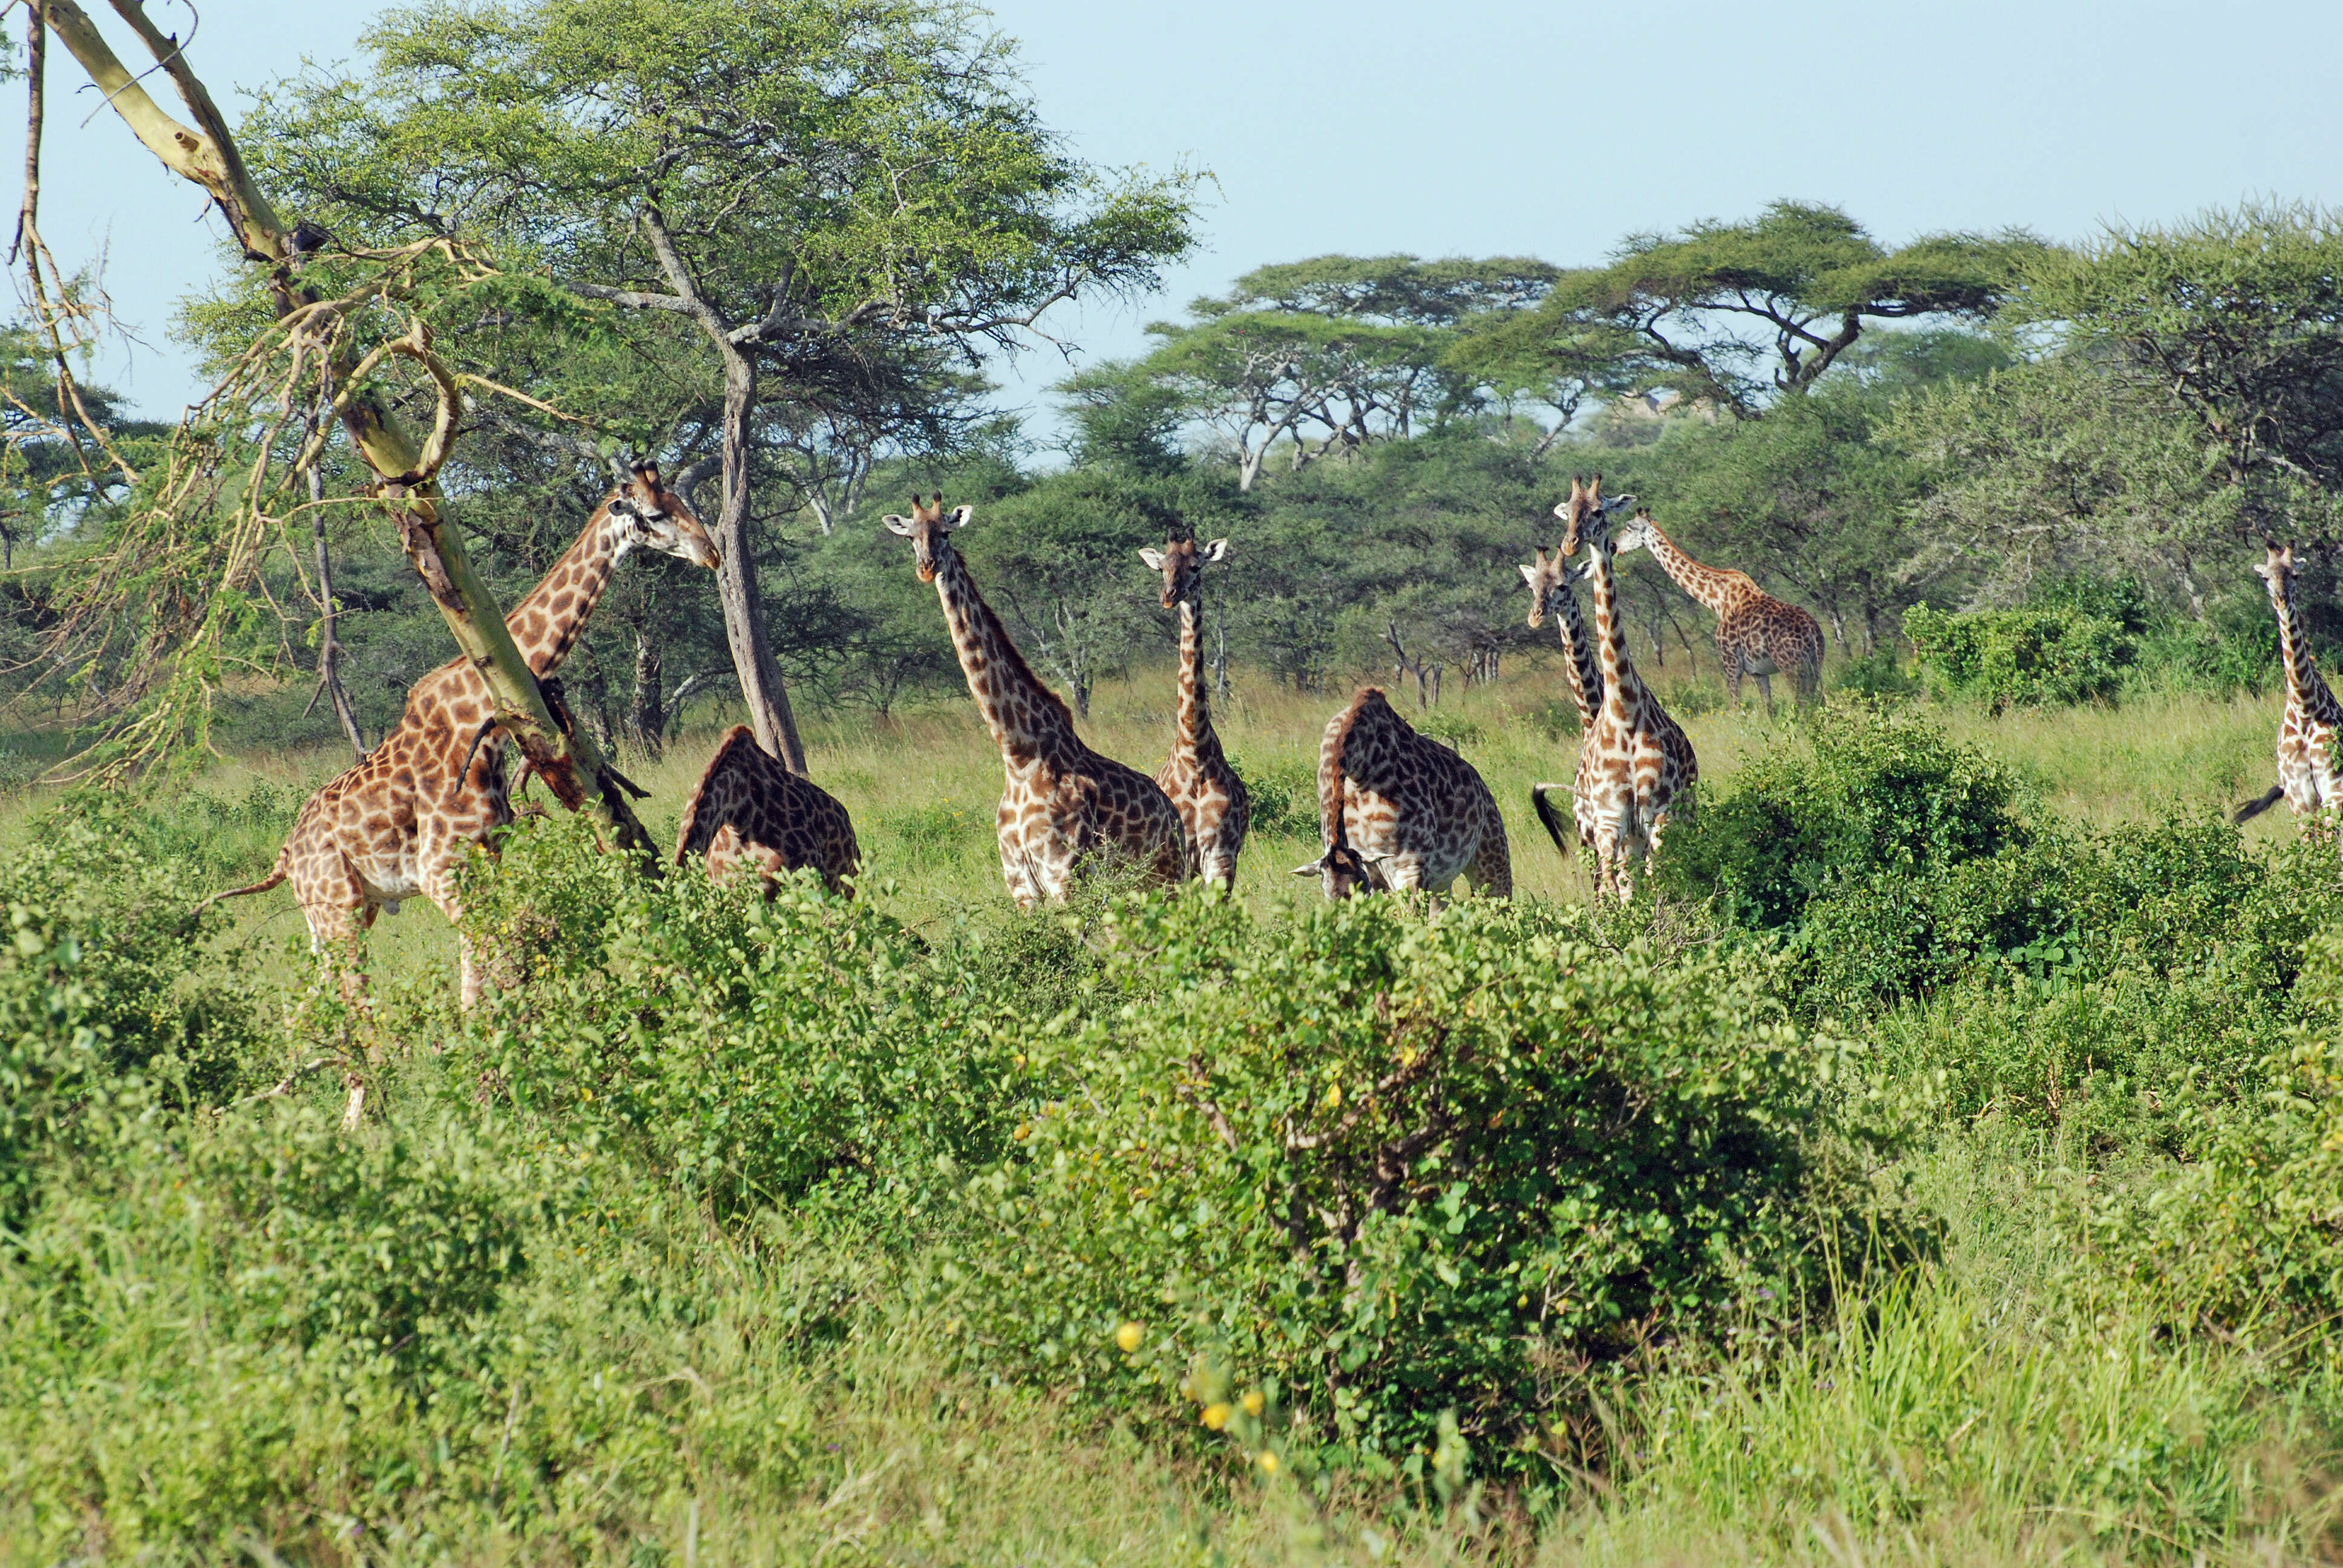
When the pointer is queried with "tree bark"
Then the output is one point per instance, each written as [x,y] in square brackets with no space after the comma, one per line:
[647,712]
[207,155]
[329,646]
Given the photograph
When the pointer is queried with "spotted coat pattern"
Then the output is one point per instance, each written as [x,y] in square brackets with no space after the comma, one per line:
[398,824]
[1551,591]
[1398,811]
[749,808]
[2307,734]
[1636,760]
[1756,633]
[1204,789]
[1062,804]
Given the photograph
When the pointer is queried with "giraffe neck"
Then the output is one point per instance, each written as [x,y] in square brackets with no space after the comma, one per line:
[1026,718]
[1193,739]
[1622,690]
[548,623]
[1585,669]
[2302,677]
[1712,587]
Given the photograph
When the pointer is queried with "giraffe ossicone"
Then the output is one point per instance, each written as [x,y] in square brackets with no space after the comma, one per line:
[398,823]
[1214,808]
[1063,807]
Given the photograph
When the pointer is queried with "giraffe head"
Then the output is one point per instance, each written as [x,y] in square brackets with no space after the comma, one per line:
[1586,517]
[1548,578]
[2277,568]
[642,512]
[1342,871]
[1636,535]
[927,528]
[1182,562]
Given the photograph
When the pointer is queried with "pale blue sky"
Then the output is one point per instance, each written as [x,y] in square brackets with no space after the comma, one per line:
[1479,127]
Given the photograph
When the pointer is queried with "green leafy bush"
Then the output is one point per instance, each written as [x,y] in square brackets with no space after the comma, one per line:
[750,1051]
[1284,795]
[1868,791]
[2022,658]
[1388,1165]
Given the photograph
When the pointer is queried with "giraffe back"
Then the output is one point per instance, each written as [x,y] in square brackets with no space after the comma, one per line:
[747,807]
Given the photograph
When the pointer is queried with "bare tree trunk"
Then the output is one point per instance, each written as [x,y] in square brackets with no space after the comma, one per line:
[744,609]
[647,712]
[329,646]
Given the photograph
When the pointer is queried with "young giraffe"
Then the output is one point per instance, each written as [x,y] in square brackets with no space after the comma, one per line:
[1636,760]
[1756,633]
[1549,579]
[2308,776]
[1204,789]
[1397,812]
[397,824]
[1061,803]
[748,808]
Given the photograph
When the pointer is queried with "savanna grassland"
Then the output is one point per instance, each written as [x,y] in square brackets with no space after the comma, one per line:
[738,1232]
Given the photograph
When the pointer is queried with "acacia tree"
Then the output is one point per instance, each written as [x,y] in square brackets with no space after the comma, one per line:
[1730,311]
[2232,319]
[317,333]
[843,199]
[1320,356]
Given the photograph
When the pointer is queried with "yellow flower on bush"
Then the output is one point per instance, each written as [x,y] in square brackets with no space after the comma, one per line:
[1253,1403]
[1216,1416]
[1128,1337]
[1268,1462]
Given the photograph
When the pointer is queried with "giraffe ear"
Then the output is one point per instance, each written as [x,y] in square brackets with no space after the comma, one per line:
[1529,574]
[1562,510]
[1312,869]
[1154,559]
[1218,550]
[898,524]
[958,517]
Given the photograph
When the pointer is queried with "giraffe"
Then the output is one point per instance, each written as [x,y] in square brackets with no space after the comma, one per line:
[1397,812]
[1205,790]
[2307,774]
[1549,579]
[749,807]
[1061,803]
[1636,760]
[1756,633]
[397,824]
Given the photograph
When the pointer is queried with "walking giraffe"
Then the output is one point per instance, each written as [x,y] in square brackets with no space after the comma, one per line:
[1756,633]
[1061,803]
[1204,789]
[1549,579]
[1397,812]
[2306,772]
[1636,760]
[398,823]
[750,809]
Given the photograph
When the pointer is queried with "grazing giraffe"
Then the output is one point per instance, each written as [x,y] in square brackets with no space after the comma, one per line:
[1549,579]
[2308,776]
[1061,803]
[1756,633]
[748,808]
[1397,812]
[1204,789]
[398,823]
[1636,760]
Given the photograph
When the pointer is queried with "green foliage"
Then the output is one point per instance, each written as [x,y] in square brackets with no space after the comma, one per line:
[1387,1166]
[2024,657]
[1870,792]
[1284,795]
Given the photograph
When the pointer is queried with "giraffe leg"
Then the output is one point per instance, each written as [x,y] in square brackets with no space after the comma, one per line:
[1765,685]
[439,879]
[1733,677]
[334,903]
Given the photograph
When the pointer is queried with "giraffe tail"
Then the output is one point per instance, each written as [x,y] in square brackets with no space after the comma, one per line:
[278,873]
[2253,808]
[1561,829]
